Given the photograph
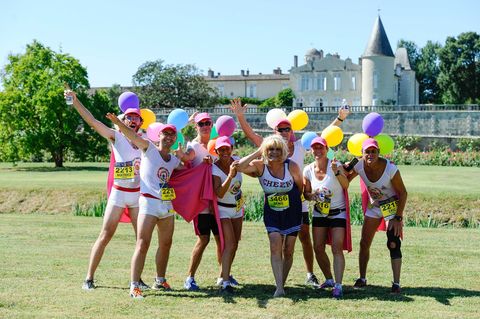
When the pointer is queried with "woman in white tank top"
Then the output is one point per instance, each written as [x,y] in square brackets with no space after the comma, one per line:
[281,181]
[388,196]
[155,203]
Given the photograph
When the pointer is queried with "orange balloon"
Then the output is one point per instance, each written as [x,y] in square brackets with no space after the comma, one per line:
[211,146]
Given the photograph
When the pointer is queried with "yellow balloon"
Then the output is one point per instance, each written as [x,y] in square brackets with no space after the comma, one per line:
[333,135]
[299,119]
[354,144]
[148,118]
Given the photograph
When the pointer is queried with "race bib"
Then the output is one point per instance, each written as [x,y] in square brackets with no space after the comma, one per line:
[302,198]
[124,170]
[323,207]
[239,201]
[167,193]
[388,208]
[278,202]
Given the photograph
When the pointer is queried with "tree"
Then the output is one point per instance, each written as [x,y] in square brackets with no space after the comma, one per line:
[459,76]
[172,86]
[33,115]
[427,73]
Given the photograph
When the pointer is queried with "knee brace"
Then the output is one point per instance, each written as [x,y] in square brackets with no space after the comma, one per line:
[394,244]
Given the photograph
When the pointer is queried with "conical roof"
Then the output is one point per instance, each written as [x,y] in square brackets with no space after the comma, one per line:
[378,43]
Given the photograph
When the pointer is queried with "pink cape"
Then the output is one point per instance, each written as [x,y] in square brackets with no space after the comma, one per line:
[347,239]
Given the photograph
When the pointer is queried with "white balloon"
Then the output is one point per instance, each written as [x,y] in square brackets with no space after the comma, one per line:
[273,116]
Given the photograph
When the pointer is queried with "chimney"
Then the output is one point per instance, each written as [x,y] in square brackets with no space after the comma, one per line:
[277,71]
[242,72]
[218,74]
[295,61]
[211,74]
[248,72]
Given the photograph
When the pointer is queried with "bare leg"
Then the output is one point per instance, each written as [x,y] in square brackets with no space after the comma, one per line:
[230,246]
[197,253]
[110,223]
[307,247]
[369,229]
[133,212]
[146,224]
[288,249]
[319,242]
[338,234]
[276,246]
[165,228]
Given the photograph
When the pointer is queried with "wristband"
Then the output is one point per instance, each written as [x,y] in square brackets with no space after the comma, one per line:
[398,218]
[339,119]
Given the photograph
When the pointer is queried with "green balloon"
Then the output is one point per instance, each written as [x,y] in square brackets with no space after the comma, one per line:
[385,143]
[213,133]
[180,139]
[330,154]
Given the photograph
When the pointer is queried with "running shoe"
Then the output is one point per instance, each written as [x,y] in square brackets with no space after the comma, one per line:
[191,285]
[396,288]
[228,290]
[88,285]
[233,281]
[337,293]
[219,281]
[136,292]
[143,285]
[327,284]
[312,281]
[360,283]
[157,285]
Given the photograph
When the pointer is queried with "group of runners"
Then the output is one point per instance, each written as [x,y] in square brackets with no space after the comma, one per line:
[143,186]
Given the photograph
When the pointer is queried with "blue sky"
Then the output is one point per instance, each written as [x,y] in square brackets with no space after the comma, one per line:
[113,38]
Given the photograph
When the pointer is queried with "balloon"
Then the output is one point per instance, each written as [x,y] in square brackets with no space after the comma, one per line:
[372,124]
[307,138]
[385,143]
[354,144]
[148,117]
[273,116]
[333,135]
[232,140]
[128,100]
[213,132]
[153,130]
[179,118]
[225,125]
[211,147]
[180,139]
[299,119]
[330,154]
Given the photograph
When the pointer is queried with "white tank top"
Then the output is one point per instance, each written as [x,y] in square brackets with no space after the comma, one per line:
[329,186]
[271,184]
[125,152]
[235,184]
[155,172]
[298,155]
[381,189]
[200,152]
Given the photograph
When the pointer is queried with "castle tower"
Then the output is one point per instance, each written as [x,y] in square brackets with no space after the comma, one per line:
[377,68]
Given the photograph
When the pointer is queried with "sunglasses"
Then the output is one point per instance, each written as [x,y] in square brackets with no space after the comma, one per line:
[202,124]
[132,117]
[284,129]
[169,133]
[273,149]
[374,151]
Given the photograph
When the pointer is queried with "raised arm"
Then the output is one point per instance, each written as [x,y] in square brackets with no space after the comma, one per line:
[248,166]
[128,132]
[98,126]
[340,174]
[239,110]
[343,113]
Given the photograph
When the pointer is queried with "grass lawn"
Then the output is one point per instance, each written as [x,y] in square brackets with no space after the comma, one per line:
[45,259]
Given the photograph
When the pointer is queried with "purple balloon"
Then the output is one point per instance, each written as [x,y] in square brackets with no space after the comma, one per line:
[225,125]
[128,100]
[372,124]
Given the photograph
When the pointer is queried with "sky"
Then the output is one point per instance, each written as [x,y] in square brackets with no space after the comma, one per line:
[112,39]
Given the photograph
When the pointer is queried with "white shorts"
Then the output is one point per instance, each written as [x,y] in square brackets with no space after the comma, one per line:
[155,207]
[373,212]
[305,206]
[123,199]
[230,212]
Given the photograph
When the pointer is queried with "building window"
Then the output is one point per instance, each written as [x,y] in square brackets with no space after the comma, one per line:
[375,79]
[252,90]
[304,83]
[299,102]
[221,90]
[354,83]
[337,83]
[285,86]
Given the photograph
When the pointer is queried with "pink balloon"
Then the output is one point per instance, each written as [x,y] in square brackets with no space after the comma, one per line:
[225,125]
[153,130]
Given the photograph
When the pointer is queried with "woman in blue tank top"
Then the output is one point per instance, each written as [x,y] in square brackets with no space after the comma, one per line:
[281,180]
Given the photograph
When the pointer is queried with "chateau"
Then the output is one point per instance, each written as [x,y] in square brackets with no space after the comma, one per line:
[380,78]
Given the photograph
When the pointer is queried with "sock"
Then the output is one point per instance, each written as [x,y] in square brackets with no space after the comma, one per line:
[309,274]
[338,286]
[134,284]
[330,281]
[363,279]
[190,278]
[225,284]
[160,280]
[397,283]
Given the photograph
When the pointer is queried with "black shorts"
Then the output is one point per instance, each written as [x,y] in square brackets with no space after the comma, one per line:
[207,223]
[329,222]
[305,218]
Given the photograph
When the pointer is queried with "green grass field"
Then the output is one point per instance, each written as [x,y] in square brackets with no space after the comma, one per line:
[44,260]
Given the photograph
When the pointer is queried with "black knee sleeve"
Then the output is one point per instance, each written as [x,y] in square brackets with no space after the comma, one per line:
[394,244]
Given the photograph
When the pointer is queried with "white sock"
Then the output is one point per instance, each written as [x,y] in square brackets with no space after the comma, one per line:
[160,280]
[225,284]
[338,286]
[134,284]
[309,274]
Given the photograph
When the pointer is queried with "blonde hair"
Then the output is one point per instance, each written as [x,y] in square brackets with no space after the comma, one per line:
[274,141]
